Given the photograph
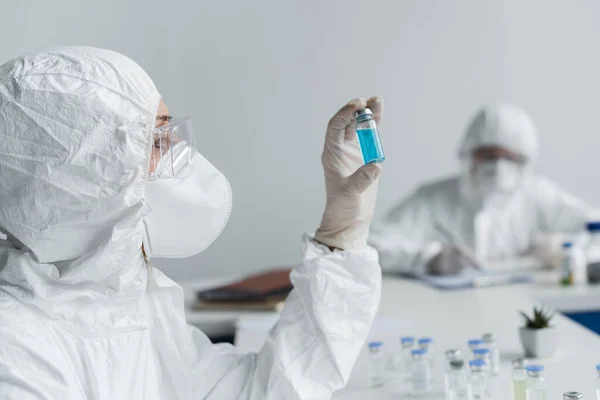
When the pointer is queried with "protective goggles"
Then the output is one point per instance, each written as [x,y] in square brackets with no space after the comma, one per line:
[485,154]
[172,149]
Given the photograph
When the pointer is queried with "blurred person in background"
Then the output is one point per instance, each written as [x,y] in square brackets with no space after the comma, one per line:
[497,211]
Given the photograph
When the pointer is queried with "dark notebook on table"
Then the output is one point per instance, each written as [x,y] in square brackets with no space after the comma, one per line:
[263,291]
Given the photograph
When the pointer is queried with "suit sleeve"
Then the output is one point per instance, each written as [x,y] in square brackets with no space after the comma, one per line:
[404,236]
[559,211]
[311,351]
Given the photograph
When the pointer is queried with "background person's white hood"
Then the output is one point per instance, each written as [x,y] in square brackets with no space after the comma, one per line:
[75,127]
[497,125]
[502,125]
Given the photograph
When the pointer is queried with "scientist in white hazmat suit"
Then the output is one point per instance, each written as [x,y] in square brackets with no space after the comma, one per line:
[96,179]
[497,213]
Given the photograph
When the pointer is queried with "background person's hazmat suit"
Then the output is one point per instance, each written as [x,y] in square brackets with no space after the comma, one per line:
[82,316]
[466,211]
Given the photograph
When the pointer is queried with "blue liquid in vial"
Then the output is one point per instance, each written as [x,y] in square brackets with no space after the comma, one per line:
[370,145]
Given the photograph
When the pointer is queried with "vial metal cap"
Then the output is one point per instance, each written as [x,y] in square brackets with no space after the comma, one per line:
[457,364]
[363,115]
[452,353]
[366,111]
[572,396]
[489,337]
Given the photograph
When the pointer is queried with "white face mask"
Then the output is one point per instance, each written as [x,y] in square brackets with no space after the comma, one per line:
[187,214]
[497,178]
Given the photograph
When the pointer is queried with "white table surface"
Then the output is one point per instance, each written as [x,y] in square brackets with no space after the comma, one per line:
[453,317]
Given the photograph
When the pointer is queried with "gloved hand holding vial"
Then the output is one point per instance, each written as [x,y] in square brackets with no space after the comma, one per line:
[350,178]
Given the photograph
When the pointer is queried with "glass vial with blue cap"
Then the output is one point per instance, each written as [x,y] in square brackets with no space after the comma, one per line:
[376,364]
[426,343]
[368,137]
[399,364]
[592,253]
[536,384]
[489,340]
[422,375]
[407,343]
[399,367]
[566,270]
[483,353]
[479,380]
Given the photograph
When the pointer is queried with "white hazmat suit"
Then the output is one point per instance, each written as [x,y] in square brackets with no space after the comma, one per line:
[454,211]
[82,315]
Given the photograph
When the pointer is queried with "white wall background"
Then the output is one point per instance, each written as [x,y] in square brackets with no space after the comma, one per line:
[261,78]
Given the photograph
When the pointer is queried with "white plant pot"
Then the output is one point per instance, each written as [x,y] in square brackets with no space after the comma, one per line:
[539,343]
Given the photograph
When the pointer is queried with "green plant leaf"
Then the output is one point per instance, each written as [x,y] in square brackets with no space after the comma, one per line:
[539,320]
[528,322]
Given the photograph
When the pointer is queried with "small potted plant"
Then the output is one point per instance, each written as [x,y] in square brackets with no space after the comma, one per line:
[538,337]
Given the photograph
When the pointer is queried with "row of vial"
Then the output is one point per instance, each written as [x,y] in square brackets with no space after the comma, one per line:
[581,259]
[528,383]
[474,384]
[415,366]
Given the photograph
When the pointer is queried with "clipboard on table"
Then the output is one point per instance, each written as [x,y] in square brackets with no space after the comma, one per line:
[472,278]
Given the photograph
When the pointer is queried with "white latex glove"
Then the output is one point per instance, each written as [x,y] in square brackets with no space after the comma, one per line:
[351,186]
[547,247]
[449,261]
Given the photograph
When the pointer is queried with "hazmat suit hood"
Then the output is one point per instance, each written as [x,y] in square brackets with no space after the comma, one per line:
[498,125]
[502,125]
[76,127]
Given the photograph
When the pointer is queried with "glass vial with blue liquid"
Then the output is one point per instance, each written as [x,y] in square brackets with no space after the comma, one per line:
[368,137]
